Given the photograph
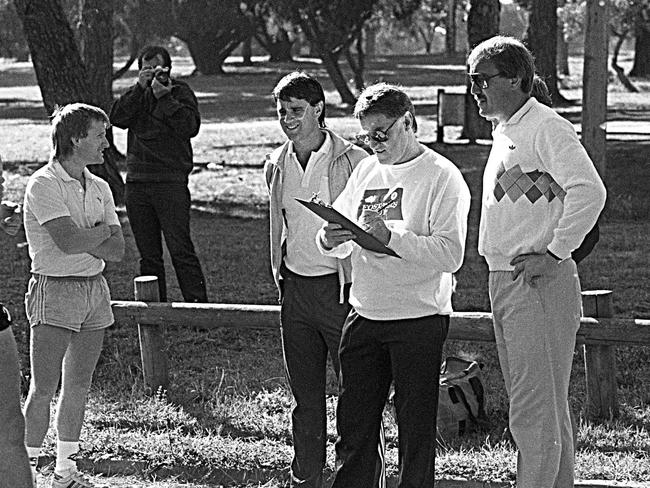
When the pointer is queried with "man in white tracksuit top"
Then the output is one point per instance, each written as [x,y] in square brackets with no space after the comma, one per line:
[416,202]
[313,288]
[541,195]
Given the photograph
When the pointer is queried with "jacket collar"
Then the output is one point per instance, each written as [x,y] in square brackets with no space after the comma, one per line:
[339,147]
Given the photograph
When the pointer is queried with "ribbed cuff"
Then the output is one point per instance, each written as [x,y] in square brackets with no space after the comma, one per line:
[558,259]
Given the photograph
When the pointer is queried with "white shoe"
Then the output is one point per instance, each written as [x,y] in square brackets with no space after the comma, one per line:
[74,479]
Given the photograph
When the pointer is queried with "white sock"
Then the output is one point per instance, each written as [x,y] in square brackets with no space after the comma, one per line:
[64,450]
[33,454]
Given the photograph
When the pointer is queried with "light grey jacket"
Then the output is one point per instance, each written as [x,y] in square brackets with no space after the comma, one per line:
[344,157]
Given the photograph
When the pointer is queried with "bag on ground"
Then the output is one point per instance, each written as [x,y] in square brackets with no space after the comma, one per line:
[461,398]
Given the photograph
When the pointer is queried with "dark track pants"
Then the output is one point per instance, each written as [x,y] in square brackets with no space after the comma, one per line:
[312,319]
[372,354]
[155,208]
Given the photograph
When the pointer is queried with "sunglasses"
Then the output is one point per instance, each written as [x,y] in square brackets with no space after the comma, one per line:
[377,135]
[482,80]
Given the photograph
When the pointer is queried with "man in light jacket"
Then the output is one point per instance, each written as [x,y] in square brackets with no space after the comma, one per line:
[313,288]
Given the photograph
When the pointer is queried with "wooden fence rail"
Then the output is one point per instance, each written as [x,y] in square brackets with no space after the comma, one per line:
[599,333]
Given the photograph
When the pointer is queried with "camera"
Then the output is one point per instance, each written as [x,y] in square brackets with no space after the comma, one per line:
[162,75]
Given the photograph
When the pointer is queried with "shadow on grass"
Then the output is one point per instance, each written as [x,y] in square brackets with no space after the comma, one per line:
[176,471]
[253,476]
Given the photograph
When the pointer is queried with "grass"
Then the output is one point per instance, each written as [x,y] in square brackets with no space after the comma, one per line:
[226,419]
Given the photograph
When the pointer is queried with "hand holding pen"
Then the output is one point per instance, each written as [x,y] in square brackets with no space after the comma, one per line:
[371,219]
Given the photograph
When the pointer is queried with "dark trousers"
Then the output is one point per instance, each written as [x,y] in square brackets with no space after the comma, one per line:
[373,353]
[312,319]
[155,208]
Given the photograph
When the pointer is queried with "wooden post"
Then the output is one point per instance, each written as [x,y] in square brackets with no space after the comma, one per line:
[594,84]
[600,361]
[450,26]
[440,129]
[152,343]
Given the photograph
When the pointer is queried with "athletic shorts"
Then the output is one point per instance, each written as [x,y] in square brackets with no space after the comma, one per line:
[72,302]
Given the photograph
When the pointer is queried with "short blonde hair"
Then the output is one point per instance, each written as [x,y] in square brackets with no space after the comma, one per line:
[72,121]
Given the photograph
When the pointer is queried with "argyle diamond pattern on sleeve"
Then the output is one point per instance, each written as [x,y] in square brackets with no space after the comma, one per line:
[533,185]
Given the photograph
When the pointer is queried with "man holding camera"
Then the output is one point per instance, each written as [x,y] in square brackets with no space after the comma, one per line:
[161,115]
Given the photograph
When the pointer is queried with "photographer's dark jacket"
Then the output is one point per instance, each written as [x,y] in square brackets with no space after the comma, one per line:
[158,141]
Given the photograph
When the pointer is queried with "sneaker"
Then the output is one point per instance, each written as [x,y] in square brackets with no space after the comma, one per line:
[74,479]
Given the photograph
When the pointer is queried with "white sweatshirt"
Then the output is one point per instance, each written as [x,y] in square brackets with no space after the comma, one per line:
[540,189]
[428,224]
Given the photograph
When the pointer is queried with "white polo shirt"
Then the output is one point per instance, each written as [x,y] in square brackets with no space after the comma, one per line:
[52,193]
[303,257]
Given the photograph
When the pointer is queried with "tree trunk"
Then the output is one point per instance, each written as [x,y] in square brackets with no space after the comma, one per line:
[330,27]
[96,48]
[125,67]
[207,58]
[450,27]
[641,65]
[562,52]
[57,63]
[134,49]
[482,23]
[333,69]
[330,60]
[427,42]
[211,29]
[280,51]
[279,47]
[620,38]
[357,65]
[276,42]
[542,39]
[61,74]
[594,82]
[371,41]
[247,51]
[110,171]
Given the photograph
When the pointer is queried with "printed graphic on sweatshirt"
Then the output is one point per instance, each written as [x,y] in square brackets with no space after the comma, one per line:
[389,205]
[533,185]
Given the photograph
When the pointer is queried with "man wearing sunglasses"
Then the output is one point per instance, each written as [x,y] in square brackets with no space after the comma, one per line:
[313,288]
[416,202]
[541,195]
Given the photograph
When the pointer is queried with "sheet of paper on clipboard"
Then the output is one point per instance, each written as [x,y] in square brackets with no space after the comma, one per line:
[365,240]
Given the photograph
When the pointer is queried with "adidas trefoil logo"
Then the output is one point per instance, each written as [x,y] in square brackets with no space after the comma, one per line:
[512,148]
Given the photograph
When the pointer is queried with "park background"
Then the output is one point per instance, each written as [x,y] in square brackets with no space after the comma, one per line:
[225,419]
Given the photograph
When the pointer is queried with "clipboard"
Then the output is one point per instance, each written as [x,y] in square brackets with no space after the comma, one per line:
[365,240]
